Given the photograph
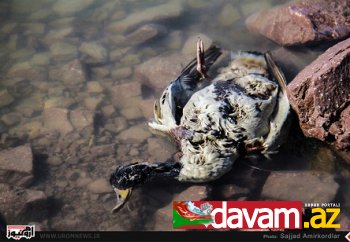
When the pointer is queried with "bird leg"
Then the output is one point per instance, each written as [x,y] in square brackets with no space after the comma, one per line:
[200,59]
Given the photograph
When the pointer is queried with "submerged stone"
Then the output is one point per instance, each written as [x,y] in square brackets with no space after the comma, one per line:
[5,98]
[20,206]
[95,52]
[56,119]
[16,166]
[145,33]
[305,186]
[158,13]
[68,7]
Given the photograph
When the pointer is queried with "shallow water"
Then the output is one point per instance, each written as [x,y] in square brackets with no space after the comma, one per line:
[73,158]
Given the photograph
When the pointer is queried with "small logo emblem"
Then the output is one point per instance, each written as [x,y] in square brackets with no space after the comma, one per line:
[20,231]
[347,236]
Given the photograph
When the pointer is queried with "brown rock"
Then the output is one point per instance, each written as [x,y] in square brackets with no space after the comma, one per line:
[100,185]
[71,74]
[56,119]
[161,12]
[121,73]
[123,94]
[137,133]
[157,72]
[320,95]
[147,108]
[16,166]
[81,118]
[159,149]
[25,70]
[19,205]
[145,33]
[5,98]
[103,150]
[305,186]
[301,22]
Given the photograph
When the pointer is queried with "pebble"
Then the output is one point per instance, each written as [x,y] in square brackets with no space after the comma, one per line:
[120,123]
[144,34]
[5,98]
[147,108]
[94,87]
[92,103]
[228,15]
[131,113]
[157,72]
[26,71]
[103,150]
[95,51]
[40,59]
[136,133]
[11,119]
[159,149]
[174,40]
[81,118]
[99,186]
[100,72]
[108,110]
[68,8]
[63,51]
[32,129]
[59,102]
[57,35]
[130,59]
[54,160]
[169,10]
[121,73]
[71,74]
[123,94]
[8,27]
[56,119]
[33,28]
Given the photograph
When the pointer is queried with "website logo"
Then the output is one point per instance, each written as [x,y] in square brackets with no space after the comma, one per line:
[347,236]
[253,215]
[20,231]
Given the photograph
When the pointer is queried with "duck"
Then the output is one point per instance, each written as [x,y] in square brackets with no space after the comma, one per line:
[241,110]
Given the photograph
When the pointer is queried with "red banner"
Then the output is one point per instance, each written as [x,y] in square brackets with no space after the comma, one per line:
[252,215]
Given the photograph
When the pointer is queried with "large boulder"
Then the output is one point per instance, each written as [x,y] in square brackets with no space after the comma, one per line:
[320,95]
[301,22]
[16,166]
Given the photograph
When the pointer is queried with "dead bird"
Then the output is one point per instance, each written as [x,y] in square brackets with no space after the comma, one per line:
[242,111]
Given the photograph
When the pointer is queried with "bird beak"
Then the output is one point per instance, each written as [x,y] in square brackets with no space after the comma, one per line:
[122,197]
